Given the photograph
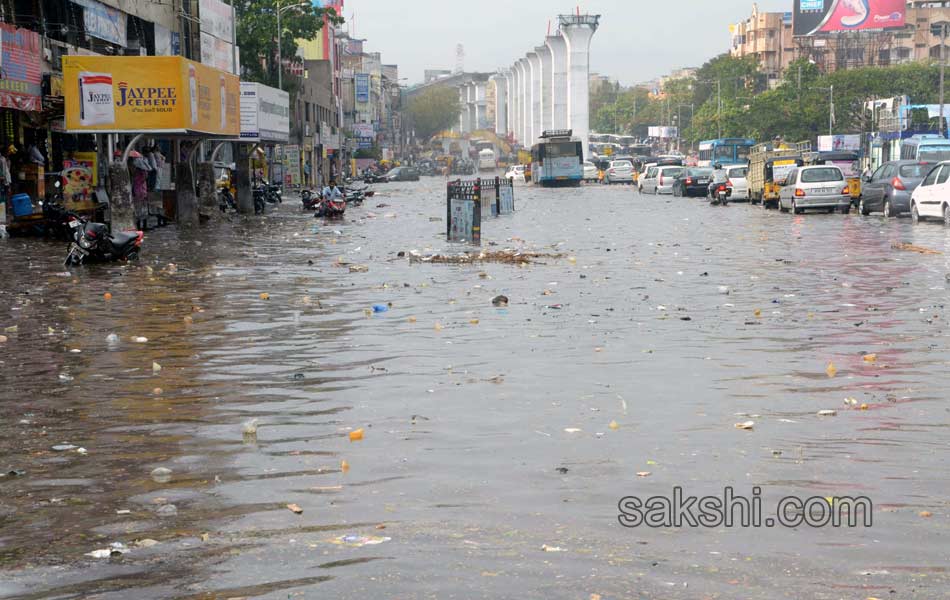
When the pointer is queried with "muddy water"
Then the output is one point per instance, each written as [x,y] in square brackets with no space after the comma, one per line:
[675,320]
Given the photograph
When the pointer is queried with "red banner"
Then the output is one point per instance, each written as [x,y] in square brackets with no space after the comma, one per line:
[21,84]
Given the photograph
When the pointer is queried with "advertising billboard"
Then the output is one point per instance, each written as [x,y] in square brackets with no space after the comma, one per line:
[839,143]
[21,83]
[265,113]
[813,17]
[140,94]
[217,31]
[362,88]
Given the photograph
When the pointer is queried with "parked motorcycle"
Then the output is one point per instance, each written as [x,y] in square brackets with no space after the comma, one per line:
[273,193]
[92,242]
[226,200]
[354,196]
[309,199]
[259,203]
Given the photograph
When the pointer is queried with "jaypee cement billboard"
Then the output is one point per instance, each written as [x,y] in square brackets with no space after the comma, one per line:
[814,17]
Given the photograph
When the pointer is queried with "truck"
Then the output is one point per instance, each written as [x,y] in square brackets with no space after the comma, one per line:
[769,165]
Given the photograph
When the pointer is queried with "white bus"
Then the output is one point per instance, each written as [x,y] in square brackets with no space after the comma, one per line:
[487,160]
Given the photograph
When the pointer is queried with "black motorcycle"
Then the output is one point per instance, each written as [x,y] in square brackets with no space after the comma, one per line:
[92,242]
[226,200]
[273,193]
[259,194]
[354,196]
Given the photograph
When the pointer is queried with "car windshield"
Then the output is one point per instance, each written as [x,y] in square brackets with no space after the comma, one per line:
[699,172]
[672,172]
[821,174]
[621,164]
[737,173]
[934,153]
[917,171]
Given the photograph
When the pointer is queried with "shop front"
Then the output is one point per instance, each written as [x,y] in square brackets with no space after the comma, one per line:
[153,112]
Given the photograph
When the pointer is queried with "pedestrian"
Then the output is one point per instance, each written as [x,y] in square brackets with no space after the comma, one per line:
[140,171]
[306,172]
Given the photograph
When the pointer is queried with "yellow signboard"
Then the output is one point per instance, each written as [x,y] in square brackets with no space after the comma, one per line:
[149,94]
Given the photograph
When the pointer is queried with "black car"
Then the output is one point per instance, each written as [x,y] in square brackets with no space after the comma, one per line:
[693,182]
[403,174]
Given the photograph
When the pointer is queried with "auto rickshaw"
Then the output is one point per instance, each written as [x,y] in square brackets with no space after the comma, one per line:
[776,170]
[850,165]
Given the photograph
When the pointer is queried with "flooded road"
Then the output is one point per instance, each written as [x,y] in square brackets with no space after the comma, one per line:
[497,441]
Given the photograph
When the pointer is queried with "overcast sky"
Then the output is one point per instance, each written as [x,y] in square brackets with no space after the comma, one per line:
[637,41]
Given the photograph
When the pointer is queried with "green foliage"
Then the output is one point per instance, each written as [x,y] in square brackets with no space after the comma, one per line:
[257,34]
[434,110]
[797,109]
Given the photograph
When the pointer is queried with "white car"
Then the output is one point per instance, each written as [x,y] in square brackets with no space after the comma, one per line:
[620,171]
[516,173]
[590,171]
[931,199]
[736,177]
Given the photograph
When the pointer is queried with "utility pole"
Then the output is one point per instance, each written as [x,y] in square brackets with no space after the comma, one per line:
[831,110]
[719,110]
[943,66]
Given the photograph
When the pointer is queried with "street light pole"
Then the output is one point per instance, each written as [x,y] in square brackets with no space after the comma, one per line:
[280,59]
[719,109]
[943,66]
[831,110]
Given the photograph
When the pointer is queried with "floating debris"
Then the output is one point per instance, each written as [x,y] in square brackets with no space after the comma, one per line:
[913,248]
[514,257]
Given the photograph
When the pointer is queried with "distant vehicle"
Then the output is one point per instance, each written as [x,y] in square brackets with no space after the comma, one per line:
[931,199]
[487,160]
[516,173]
[736,178]
[591,172]
[557,159]
[821,187]
[848,162]
[770,164]
[403,174]
[888,190]
[639,149]
[725,151]
[619,171]
[926,148]
[693,182]
[659,179]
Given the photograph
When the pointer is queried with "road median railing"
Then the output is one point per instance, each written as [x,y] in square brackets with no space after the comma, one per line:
[468,201]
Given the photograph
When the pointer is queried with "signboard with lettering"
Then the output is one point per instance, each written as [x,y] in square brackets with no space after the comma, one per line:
[21,85]
[104,22]
[362,88]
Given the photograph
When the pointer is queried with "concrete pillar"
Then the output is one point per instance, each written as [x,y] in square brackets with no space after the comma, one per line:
[463,104]
[558,47]
[534,124]
[207,192]
[509,91]
[186,212]
[547,64]
[522,107]
[242,179]
[578,31]
[120,197]
[501,114]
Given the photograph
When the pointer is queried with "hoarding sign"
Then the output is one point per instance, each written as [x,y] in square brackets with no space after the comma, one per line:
[362,87]
[136,94]
[829,16]
[265,113]
[216,19]
[839,143]
[104,22]
[21,85]
[292,164]
[364,130]
[216,53]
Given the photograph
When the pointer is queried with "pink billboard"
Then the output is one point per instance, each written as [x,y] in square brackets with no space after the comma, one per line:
[830,16]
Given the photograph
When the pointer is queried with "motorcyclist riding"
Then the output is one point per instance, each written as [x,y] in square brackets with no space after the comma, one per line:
[333,197]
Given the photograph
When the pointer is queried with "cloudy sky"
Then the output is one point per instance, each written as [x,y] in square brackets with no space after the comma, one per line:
[638,39]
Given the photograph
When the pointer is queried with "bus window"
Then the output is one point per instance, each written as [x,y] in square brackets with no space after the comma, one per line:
[742,152]
[933,153]
[725,152]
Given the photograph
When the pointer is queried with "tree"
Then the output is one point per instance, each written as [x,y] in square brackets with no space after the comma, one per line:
[434,110]
[257,34]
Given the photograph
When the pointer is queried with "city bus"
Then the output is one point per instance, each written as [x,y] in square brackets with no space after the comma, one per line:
[557,160]
[926,148]
[724,151]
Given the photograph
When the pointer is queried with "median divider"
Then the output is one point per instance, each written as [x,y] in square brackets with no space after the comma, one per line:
[468,201]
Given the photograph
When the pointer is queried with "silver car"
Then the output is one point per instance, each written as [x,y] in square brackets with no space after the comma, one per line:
[820,187]
[620,171]
[660,180]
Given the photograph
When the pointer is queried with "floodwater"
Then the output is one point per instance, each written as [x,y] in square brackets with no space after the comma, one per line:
[493,436]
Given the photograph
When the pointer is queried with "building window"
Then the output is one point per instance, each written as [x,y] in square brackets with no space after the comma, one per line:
[903,53]
[935,51]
